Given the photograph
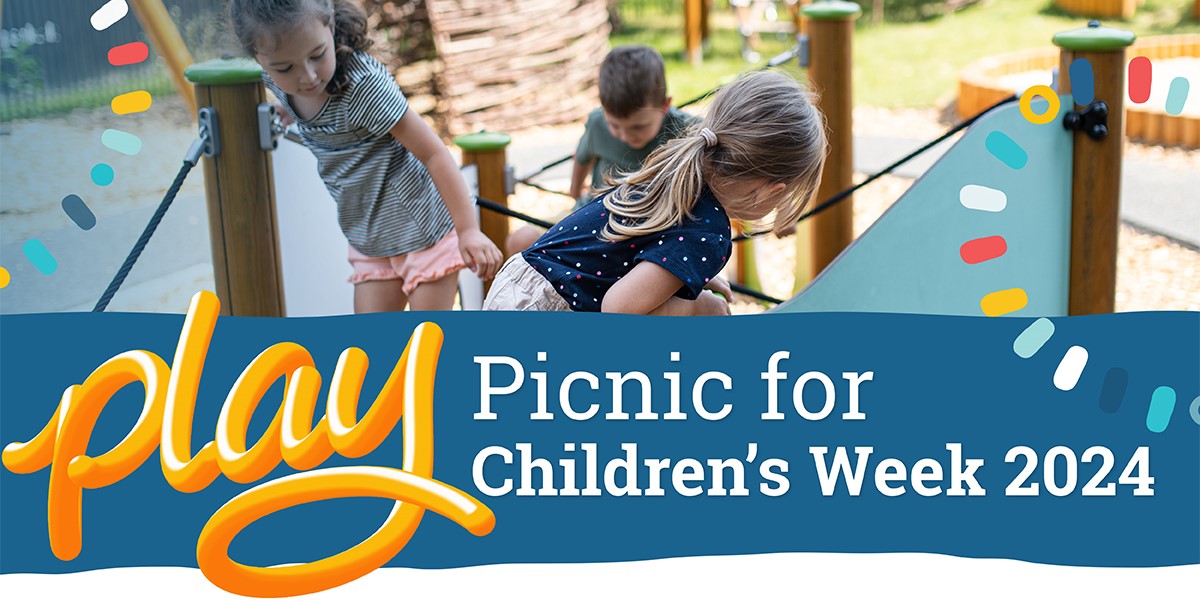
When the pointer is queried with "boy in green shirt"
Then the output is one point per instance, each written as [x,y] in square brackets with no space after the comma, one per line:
[635,118]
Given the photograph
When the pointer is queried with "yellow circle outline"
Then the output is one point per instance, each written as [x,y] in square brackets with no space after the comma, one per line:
[1046,92]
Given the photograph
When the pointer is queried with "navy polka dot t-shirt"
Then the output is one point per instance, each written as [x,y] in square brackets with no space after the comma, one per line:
[582,267]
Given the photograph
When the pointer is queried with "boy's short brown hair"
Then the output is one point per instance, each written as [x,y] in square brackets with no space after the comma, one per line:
[632,78]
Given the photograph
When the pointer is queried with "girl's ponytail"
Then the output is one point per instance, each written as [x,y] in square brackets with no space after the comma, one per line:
[661,194]
[763,125]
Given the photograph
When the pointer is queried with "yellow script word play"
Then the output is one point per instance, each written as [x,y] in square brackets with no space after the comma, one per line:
[166,419]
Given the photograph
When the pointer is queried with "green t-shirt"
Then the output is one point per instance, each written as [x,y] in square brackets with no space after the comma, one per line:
[612,155]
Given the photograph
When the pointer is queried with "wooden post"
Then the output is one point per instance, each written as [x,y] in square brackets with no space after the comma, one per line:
[1096,168]
[693,31]
[240,189]
[165,38]
[831,33]
[486,150]
[743,264]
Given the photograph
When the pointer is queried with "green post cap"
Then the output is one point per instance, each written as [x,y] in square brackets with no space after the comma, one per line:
[831,10]
[1094,38]
[224,71]
[483,141]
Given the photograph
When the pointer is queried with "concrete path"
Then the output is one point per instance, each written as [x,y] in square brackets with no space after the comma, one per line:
[178,256]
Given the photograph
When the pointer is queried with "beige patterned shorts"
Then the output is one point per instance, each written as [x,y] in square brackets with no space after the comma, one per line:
[519,287]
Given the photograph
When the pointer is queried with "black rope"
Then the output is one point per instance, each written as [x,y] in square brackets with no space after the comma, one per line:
[775,61]
[757,295]
[544,168]
[823,206]
[842,195]
[547,190]
[144,239]
[508,212]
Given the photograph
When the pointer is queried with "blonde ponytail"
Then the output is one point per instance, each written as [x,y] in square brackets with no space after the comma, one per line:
[763,125]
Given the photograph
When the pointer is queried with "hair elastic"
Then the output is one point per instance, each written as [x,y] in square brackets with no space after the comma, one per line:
[710,138]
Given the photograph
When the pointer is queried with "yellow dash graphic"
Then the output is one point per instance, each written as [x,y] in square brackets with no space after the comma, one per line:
[1003,302]
[133,102]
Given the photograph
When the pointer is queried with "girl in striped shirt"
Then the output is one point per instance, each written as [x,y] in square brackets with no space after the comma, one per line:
[402,204]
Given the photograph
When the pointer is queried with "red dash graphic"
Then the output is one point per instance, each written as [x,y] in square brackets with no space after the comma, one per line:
[1140,74]
[128,54]
[981,249]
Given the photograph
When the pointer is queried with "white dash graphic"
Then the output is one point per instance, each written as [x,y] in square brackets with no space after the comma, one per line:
[111,12]
[1070,368]
[978,197]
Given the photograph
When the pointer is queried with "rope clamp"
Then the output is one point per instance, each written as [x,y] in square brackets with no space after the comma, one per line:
[209,142]
[270,127]
[1092,120]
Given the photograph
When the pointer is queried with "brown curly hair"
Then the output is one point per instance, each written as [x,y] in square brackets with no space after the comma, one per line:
[253,19]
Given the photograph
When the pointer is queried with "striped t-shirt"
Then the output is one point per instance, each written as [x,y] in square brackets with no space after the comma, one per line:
[387,203]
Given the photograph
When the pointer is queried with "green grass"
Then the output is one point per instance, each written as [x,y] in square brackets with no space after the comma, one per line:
[722,59]
[897,64]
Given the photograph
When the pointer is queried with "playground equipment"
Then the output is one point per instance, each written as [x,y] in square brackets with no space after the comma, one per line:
[956,244]
[987,80]
[486,152]
[901,263]
[831,31]
[239,184]
[1055,243]
[696,25]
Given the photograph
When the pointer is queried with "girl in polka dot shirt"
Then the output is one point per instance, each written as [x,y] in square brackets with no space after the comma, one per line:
[655,242]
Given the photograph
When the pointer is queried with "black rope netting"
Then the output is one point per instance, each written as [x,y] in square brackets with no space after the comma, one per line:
[818,209]
[196,148]
[846,193]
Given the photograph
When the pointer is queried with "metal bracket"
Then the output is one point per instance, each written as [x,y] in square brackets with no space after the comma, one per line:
[270,127]
[510,180]
[209,141]
[803,57]
[209,132]
[1092,120]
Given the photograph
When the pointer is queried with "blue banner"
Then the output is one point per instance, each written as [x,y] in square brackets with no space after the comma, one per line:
[1072,441]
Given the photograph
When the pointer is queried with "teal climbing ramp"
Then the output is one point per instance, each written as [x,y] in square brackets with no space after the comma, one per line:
[986,231]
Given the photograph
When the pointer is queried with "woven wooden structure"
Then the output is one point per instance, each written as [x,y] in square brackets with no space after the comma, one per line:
[511,64]
[979,86]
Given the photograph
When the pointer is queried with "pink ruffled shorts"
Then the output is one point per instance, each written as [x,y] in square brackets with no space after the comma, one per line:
[414,268]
